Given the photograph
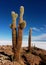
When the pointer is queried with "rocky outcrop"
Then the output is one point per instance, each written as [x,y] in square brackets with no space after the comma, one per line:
[35,56]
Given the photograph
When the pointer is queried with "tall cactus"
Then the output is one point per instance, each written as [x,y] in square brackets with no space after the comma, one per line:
[29,40]
[17,41]
[14,32]
[21,26]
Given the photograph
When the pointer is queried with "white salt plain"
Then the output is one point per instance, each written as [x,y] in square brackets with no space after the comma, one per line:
[38,44]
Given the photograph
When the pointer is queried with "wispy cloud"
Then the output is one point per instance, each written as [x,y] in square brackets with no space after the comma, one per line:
[44,25]
[35,29]
[39,29]
[41,37]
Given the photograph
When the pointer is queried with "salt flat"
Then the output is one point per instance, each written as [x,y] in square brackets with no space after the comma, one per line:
[38,44]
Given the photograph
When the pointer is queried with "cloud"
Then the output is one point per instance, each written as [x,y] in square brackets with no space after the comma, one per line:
[44,25]
[41,37]
[39,29]
[35,29]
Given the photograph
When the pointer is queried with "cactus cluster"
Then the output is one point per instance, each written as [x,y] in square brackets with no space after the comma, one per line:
[17,35]
[17,39]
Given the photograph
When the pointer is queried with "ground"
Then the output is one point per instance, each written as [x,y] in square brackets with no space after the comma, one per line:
[35,56]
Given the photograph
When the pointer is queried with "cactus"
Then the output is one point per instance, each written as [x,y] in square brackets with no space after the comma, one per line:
[17,39]
[14,32]
[22,25]
[29,40]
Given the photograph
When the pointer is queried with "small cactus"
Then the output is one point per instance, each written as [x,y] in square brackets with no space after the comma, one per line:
[29,40]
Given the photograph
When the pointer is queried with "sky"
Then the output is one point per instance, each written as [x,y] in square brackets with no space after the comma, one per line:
[34,15]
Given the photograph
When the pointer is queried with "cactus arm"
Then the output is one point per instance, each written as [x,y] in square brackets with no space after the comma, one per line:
[14,17]
[22,25]
[21,13]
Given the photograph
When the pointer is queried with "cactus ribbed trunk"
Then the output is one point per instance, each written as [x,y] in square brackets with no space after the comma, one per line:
[17,39]
[20,37]
[19,42]
[29,40]
[14,41]
[14,36]
[14,33]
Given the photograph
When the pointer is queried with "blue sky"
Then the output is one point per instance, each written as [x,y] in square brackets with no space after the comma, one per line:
[35,16]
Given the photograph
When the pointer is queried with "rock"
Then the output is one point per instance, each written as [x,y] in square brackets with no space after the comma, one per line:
[29,58]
